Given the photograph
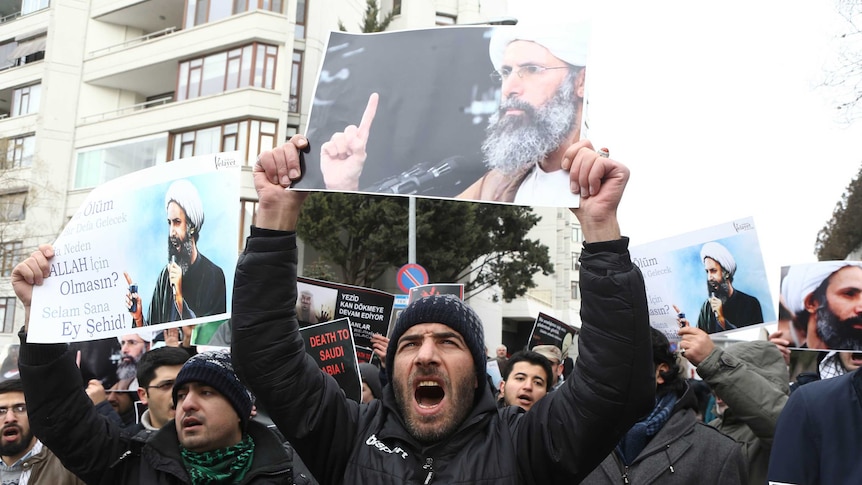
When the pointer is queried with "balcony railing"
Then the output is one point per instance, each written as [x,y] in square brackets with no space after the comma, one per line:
[10,17]
[137,40]
[127,109]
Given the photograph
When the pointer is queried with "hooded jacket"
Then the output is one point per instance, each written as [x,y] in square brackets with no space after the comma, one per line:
[342,441]
[752,379]
[685,451]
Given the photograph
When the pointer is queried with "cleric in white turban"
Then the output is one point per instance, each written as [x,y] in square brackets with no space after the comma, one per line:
[726,308]
[190,285]
[825,299]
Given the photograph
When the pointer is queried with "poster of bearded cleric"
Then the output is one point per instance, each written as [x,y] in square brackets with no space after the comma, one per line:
[154,249]
[713,279]
[824,301]
[477,113]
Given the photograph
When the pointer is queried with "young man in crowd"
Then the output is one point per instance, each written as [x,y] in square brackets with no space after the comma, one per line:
[211,440]
[526,379]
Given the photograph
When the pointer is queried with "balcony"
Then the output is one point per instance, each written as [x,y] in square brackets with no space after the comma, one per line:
[207,110]
[149,67]
[147,16]
[17,76]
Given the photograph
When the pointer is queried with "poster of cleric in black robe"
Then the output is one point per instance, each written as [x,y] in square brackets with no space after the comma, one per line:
[479,113]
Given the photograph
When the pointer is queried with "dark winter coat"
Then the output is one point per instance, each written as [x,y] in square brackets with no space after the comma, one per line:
[94,448]
[560,440]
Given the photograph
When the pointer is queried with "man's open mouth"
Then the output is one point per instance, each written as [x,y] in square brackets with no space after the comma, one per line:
[11,434]
[429,394]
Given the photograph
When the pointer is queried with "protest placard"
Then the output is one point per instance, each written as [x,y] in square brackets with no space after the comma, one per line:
[547,330]
[369,310]
[422,291]
[822,309]
[146,249]
[421,113]
[331,345]
[713,279]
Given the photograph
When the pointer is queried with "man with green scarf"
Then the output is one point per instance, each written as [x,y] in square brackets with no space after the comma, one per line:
[211,441]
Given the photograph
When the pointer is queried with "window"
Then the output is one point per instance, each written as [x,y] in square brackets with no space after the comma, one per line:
[301,17]
[249,137]
[30,6]
[106,162]
[26,100]
[576,260]
[396,7]
[295,82]
[19,152]
[576,291]
[292,130]
[250,65]
[445,19]
[27,50]
[7,314]
[11,253]
[12,206]
[576,234]
[199,12]
[247,213]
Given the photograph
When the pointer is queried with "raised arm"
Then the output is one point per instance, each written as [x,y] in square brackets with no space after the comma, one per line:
[570,431]
[268,352]
[61,414]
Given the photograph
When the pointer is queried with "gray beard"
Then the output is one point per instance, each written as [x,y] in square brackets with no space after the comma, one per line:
[838,334]
[127,370]
[515,142]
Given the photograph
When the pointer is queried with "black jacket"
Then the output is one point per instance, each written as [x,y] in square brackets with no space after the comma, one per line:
[98,451]
[560,440]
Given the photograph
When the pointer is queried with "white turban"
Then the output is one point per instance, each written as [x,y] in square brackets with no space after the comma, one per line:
[186,196]
[146,335]
[719,254]
[802,279]
[567,38]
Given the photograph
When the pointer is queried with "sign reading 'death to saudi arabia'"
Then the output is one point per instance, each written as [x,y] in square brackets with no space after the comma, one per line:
[367,309]
[146,249]
[422,115]
[547,330]
[331,345]
[713,279]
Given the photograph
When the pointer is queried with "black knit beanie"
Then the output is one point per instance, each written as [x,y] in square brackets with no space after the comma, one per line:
[450,311]
[214,368]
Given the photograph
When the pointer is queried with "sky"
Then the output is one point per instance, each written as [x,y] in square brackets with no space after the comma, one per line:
[718,109]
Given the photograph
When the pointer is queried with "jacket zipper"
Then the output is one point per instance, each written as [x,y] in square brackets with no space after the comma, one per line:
[428,467]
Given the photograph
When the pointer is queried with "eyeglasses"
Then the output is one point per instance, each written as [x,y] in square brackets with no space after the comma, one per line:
[523,72]
[164,386]
[17,409]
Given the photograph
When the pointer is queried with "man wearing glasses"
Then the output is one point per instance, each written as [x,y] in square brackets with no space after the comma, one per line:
[24,458]
[540,68]
[157,372]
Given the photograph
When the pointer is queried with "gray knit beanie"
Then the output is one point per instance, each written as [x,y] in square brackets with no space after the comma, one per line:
[214,368]
[450,311]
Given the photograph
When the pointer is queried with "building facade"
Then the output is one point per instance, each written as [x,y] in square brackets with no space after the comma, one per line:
[94,89]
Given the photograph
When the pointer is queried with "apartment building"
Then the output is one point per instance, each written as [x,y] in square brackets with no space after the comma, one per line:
[94,89]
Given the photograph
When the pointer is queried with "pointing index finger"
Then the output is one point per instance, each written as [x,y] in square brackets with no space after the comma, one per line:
[368,115]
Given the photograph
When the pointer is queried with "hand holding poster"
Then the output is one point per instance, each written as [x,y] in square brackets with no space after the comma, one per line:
[713,279]
[112,270]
